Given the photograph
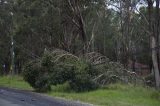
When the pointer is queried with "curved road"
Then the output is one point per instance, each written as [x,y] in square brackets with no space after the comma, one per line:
[12,97]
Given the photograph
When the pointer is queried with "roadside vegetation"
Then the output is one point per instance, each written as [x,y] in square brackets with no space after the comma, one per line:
[86,73]
[113,95]
[14,82]
[91,79]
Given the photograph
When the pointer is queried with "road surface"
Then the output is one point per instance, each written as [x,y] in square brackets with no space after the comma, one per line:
[7,103]
[12,97]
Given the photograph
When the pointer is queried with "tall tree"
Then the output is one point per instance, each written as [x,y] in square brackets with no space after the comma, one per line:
[5,34]
[153,39]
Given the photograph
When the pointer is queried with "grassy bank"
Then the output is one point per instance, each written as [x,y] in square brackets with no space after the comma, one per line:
[14,82]
[114,95]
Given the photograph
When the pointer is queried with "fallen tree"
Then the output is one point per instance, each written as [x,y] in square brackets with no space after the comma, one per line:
[82,73]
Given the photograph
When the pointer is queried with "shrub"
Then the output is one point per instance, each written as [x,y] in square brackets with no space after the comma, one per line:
[59,72]
[31,72]
[83,79]
[82,83]
[43,83]
[34,74]
[69,68]
[62,73]
[58,67]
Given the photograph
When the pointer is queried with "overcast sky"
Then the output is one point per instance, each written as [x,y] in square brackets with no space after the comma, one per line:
[138,6]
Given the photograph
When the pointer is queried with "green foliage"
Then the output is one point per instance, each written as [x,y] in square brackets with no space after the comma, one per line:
[31,72]
[58,67]
[45,72]
[61,74]
[82,82]
[43,83]
[38,78]
[77,27]
[40,24]
[83,79]
[78,73]
[5,31]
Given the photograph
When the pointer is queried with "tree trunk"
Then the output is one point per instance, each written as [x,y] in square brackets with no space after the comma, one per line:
[155,61]
[153,43]
[157,22]
[12,57]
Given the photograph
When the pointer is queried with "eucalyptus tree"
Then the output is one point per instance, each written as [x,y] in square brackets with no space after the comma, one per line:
[125,10]
[5,34]
[75,23]
[153,18]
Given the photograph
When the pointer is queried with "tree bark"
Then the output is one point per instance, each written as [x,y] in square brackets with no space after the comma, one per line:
[153,43]
[157,22]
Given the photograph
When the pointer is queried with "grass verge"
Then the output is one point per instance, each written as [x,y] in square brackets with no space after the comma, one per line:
[14,82]
[114,95]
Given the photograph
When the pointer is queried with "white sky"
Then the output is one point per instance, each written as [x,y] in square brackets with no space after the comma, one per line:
[138,6]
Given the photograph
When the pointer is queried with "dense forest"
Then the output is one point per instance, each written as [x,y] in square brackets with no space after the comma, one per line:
[124,32]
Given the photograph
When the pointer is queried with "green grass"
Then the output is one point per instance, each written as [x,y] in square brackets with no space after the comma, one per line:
[14,82]
[114,95]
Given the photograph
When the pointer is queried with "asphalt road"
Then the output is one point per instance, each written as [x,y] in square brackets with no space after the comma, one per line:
[12,97]
[7,103]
